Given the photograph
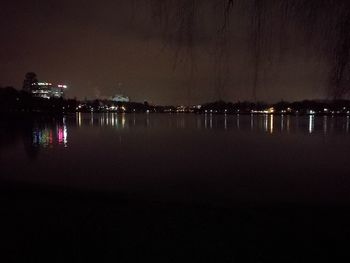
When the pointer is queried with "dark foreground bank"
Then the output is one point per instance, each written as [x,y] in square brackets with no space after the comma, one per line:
[65,225]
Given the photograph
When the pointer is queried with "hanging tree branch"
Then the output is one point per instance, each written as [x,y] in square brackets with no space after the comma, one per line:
[323,23]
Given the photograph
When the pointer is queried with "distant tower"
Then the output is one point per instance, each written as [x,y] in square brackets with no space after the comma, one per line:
[30,79]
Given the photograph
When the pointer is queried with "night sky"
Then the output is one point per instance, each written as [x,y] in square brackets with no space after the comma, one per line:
[101,48]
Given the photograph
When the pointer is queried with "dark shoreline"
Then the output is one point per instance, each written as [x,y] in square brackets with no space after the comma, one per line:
[12,100]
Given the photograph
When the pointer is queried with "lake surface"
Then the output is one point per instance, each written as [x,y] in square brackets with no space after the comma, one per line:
[235,158]
[132,186]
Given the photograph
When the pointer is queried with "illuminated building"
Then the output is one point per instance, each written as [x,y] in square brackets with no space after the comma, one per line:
[41,90]
[58,91]
[120,98]
[47,90]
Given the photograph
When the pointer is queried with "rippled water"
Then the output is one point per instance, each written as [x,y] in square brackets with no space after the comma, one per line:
[216,158]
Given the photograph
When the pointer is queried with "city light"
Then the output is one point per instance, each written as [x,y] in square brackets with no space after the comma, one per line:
[41,84]
[46,90]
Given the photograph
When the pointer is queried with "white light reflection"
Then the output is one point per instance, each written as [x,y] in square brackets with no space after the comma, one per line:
[123,120]
[325,124]
[147,121]
[251,121]
[112,119]
[271,123]
[92,119]
[266,123]
[288,123]
[65,133]
[311,123]
[79,119]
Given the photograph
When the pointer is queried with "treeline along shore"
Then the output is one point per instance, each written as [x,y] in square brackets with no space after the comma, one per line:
[20,101]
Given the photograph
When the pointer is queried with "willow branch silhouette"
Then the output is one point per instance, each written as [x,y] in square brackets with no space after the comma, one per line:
[324,26]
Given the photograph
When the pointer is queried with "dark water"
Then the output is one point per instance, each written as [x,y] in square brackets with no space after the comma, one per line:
[175,187]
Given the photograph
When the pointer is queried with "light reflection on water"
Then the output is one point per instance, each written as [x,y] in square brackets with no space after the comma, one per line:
[48,135]
[256,123]
[311,123]
[56,132]
[271,123]
[117,150]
